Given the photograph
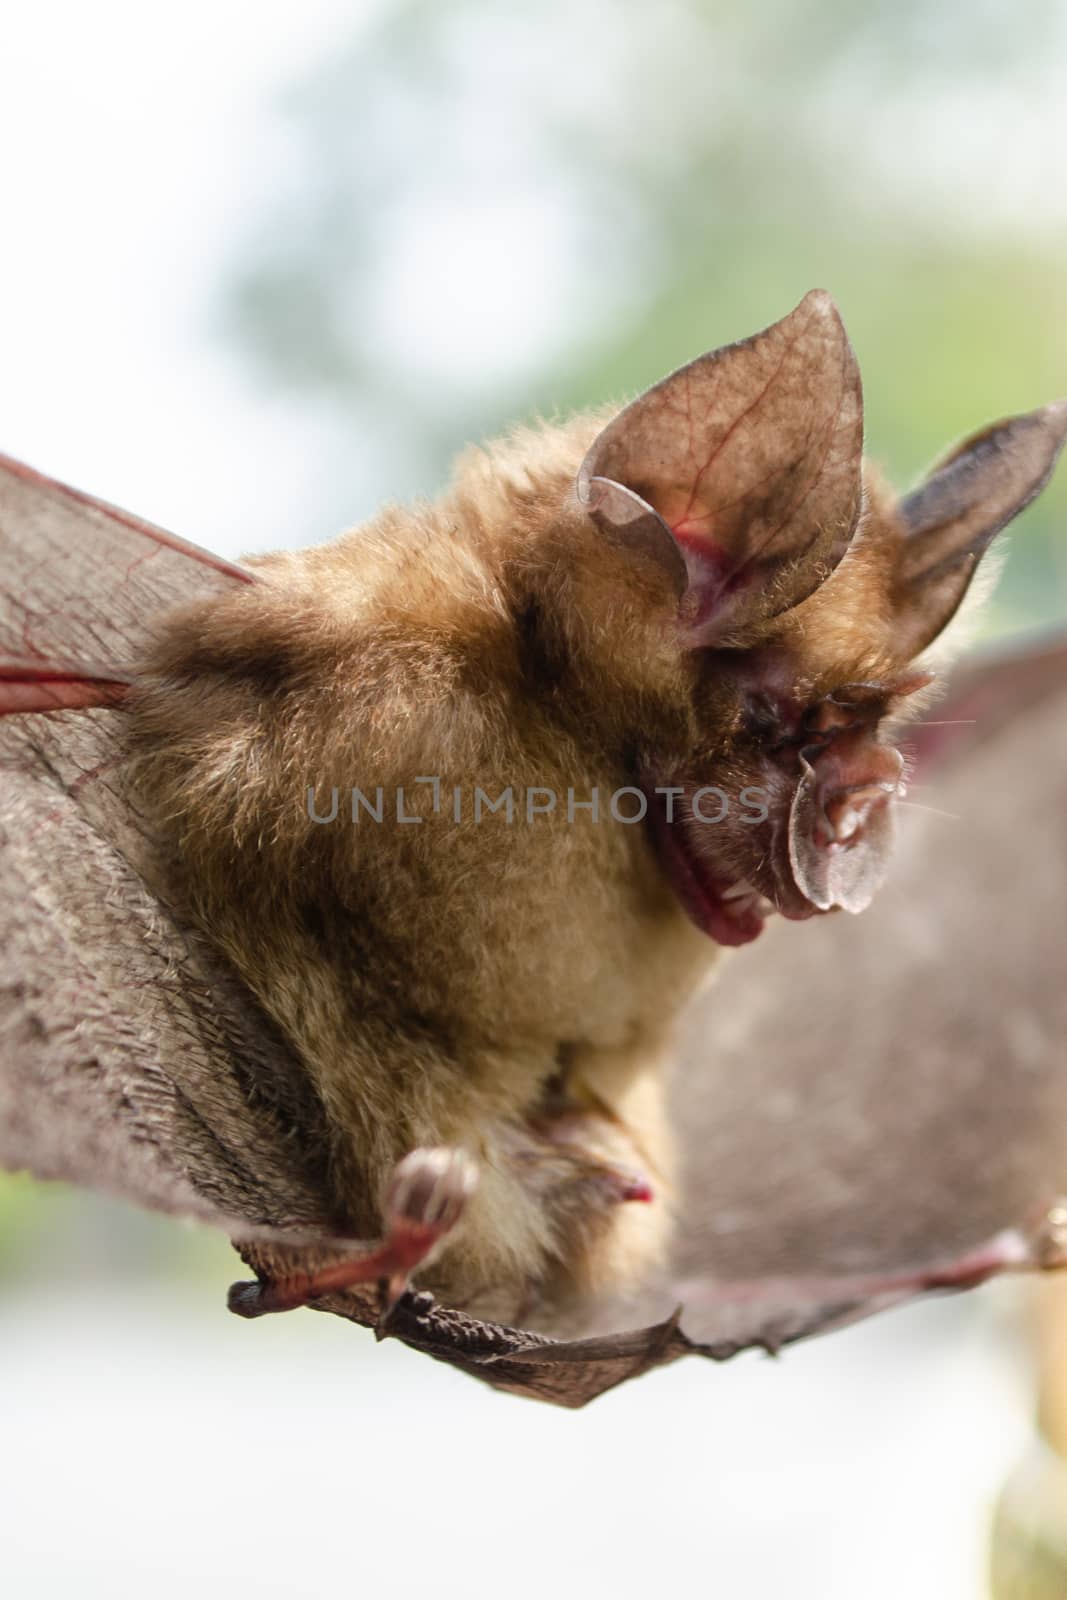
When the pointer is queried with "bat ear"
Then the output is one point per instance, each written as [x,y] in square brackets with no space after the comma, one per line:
[742,472]
[951,519]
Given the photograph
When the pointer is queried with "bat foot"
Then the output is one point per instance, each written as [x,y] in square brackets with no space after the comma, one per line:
[423,1202]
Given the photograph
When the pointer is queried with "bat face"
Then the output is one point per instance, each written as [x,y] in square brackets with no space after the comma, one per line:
[805,599]
[794,815]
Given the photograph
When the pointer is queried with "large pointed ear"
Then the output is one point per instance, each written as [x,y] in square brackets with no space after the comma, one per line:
[742,472]
[951,519]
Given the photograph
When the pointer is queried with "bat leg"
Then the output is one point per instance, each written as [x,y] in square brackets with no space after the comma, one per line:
[423,1203]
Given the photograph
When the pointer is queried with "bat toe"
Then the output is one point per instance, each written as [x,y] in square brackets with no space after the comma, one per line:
[429,1189]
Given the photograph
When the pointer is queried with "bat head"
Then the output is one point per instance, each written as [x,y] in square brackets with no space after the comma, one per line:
[802,600]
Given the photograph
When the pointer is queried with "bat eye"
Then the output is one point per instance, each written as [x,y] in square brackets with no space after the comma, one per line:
[760,718]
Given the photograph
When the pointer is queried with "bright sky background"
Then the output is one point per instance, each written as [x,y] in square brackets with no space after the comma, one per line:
[137,142]
[155,1448]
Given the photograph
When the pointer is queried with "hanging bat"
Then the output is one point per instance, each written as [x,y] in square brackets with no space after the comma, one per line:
[700,596]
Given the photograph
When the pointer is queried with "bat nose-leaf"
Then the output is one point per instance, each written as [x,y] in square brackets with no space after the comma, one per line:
[846,812]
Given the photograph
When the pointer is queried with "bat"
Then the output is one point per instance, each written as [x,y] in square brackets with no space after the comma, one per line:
[703,594]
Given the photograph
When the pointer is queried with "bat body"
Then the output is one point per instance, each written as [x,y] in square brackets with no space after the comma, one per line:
[501,983]
[473,798]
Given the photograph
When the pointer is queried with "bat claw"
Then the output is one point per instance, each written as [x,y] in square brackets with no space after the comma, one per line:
[424,1201]
[259,1298]
[247,1299]
[429,1189]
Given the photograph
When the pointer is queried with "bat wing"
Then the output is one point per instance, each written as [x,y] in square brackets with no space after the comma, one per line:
[132,1061]
[127,1058]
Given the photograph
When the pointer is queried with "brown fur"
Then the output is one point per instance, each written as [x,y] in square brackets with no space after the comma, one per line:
[512,989]
[437,643]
